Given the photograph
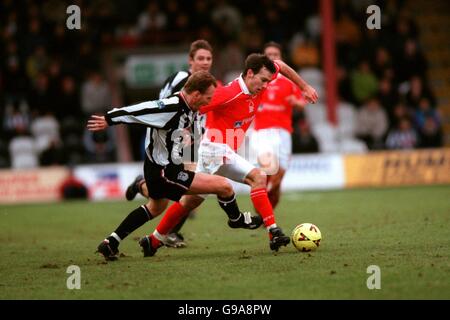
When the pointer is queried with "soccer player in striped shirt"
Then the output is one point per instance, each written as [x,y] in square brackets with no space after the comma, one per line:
[165,175]
[229,115]
[200,59]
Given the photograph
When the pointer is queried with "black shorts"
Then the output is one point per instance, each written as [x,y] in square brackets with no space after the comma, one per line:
[169,182]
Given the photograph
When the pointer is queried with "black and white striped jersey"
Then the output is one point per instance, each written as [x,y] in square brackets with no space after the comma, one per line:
[174,83]
[167,120]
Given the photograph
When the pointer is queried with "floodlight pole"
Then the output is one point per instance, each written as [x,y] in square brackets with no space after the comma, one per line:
[329,58]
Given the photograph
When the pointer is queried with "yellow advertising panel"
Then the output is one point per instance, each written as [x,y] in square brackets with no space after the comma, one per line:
[40,185]
[395,168]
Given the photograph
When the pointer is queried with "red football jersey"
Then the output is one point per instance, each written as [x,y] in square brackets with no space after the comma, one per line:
[274,110]
[231,111]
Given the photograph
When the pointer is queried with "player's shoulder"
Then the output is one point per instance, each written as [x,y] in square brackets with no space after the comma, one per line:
[231,89]
[178,77]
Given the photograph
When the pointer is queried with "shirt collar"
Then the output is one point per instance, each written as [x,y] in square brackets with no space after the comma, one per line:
[185,101]
[243,85]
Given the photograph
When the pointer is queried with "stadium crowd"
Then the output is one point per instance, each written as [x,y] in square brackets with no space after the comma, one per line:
[52,78]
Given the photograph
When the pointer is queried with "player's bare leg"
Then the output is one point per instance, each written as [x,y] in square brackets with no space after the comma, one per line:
[270,165]
[274,187]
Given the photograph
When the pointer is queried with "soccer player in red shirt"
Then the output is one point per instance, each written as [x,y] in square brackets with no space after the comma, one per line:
[229,115]
[271,139]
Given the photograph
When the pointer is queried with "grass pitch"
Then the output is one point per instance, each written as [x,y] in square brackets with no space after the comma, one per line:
[404,231]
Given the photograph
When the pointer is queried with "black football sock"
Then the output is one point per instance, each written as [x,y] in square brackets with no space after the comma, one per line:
[230,206]
[134,220]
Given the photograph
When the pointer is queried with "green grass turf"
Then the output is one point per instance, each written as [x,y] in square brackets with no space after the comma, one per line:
[404,231]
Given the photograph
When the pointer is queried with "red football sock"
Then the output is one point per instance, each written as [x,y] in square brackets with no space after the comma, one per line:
[262,205]
[172,217]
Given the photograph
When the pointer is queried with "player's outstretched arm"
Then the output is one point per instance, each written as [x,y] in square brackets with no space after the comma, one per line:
[309,92]
[298,104]
[97,123]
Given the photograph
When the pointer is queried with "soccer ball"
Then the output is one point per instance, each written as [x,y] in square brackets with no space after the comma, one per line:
[306,237]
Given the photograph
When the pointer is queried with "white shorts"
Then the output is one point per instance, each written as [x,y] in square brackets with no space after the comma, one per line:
[275,141]
[220,159]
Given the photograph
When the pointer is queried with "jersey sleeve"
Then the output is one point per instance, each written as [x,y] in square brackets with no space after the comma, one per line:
[174,84]
[278,68]
[154,114]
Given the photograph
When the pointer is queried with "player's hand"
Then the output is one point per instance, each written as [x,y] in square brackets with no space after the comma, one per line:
[310,94]
[97,123]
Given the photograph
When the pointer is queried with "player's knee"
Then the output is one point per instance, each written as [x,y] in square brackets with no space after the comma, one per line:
[274,197]
[190,203]
[154,209]
[258,179]
[226,189]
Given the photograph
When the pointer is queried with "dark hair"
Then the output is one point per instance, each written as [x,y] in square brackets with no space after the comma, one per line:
[200,81]
[197,45]
[272,44]
[257,61]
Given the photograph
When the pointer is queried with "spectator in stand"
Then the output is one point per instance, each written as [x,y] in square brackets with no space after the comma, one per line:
[37,63]
[54,83]
[16,119]
[305,54]
[411,63]
[387,95]
[201,12]
[153,19]
[68,99]
[431,134]
[364,84]
[99,146]
[303,141]
[227,20]
[399,112]
[403,136]
[348,32]
[73,188]
[253,37]
[95,94]
[418,91]
[45,130]
[428,124]
[15,82]
[372,124]
[23,151]
[39,97]
[382,62]
[404,29]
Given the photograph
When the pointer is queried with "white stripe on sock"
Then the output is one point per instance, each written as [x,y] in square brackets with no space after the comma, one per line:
[115,236]
[234,220]
[271,226]
[229,201]
[148,212]
[159,236]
